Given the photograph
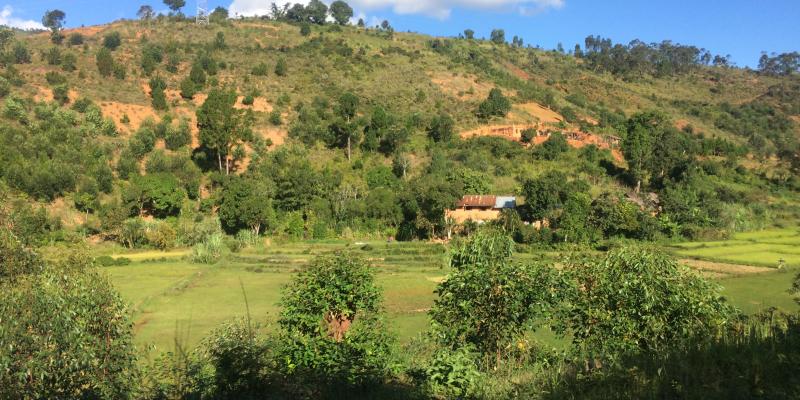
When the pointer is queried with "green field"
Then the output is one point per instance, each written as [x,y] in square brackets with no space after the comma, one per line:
[174,298]
[753,292]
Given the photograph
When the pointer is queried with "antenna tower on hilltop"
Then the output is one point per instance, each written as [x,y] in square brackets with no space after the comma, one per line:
[201,17]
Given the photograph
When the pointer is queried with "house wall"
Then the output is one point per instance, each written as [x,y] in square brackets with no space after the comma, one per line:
[461,216]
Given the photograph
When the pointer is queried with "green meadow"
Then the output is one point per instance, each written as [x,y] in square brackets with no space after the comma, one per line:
[174,299]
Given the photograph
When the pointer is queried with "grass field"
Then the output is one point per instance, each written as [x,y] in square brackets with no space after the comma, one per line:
[751,289]
[174,298]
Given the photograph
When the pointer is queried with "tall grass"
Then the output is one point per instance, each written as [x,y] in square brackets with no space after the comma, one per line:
[208,251]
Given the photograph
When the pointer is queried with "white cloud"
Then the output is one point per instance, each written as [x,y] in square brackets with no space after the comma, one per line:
[249,8]
[7,19]
[440,9]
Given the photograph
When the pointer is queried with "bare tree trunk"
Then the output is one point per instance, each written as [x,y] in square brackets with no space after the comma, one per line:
[348,147]
[219,160]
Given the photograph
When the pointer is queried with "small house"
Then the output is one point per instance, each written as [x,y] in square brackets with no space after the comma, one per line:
[480,208]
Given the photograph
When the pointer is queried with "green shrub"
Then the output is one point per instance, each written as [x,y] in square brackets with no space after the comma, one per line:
[188,89]
[68,64]
[5,87]
[54,78]
[112,40]
[281,68]
[260,70]
[248,100]
[21,54]
[119,71]
[209,251]
[75,39]
[161,235]
[179,136]
[61,94]
[53,56]
[66,334]
[333,329]
[108,261]
[275,117]
[453,374]
[105,62]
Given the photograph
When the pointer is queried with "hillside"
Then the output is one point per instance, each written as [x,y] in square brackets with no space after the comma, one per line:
[405,88]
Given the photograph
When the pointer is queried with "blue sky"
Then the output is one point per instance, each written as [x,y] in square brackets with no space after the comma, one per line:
[741,28]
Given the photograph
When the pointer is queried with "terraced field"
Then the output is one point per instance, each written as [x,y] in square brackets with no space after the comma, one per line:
[766,249]
[173,298]
[755,269]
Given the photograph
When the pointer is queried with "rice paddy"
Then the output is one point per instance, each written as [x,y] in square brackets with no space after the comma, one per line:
[174,299]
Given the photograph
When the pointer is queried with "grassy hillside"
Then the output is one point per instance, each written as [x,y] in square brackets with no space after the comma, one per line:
[731,117]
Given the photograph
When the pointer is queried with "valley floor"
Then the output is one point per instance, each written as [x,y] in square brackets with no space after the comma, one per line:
[175,300]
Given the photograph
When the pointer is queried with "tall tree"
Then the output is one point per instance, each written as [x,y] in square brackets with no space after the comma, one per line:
[246,203]
[638,144]
[441,128]
[498,36]
[145,13]
[317,11]
[223,126]
[346,129]
[341,12]
[54,19]
[487,301]
[175,5]
[469,34]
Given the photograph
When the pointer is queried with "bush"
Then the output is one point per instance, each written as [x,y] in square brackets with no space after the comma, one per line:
[194,231]
[68,64]
[5,87]
[161,235]
[54,78]
[105,62]
[635,299]
[75,39]
[66,334]
[453,374]
[248,100]
[260,70]
[496,105]
[188,89]
[119,71]
[108,261]
[281,68]
[112,40]
[179,136]
[61,94]
[333,330]
[209,251]
[275,117]
[21,54]
[53,56]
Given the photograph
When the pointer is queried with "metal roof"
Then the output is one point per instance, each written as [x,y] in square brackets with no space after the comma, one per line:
[477,201]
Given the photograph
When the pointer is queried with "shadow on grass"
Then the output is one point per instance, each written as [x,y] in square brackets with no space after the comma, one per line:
[759,359]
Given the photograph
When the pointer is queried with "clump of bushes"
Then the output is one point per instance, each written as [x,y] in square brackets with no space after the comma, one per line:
[260,70]
[108,261]
[209,251]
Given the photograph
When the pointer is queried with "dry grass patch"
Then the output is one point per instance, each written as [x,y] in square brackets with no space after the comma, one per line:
[135,113]
[724,269]
[461,86]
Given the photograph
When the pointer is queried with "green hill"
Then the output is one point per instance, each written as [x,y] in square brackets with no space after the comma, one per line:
[728,161]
